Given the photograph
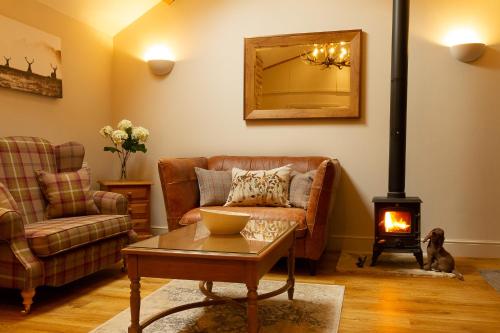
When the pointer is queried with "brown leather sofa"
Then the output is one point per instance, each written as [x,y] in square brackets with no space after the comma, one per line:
[182,197]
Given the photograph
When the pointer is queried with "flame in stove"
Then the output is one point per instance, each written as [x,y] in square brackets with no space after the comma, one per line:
[396,222]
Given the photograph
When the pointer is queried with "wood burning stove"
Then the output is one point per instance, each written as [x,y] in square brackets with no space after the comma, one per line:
[397,217]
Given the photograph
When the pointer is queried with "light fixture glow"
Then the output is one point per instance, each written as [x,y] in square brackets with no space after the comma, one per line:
[463,35]
[159,52]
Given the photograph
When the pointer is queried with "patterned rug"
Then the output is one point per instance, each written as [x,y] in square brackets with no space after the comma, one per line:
[316,308]
[388,263]
[492,277]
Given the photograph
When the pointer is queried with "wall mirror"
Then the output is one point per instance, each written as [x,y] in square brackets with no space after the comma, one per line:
[308,75]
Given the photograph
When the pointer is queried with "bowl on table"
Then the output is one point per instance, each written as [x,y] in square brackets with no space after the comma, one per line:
[220,222]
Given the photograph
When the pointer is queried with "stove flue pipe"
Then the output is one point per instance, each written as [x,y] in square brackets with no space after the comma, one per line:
[399,89]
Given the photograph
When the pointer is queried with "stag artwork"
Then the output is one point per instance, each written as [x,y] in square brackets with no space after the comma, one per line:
[29,64]
[7,61]
[54,71]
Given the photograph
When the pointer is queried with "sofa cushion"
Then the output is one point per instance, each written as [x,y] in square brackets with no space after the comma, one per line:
[68,193]
[300,188]
[260,187]
[257,213]
[47,238]
[214,186]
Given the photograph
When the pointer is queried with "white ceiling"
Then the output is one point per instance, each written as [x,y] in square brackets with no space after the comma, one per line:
[108,16]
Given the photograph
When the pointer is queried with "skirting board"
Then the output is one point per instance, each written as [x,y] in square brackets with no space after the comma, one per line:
[457,247]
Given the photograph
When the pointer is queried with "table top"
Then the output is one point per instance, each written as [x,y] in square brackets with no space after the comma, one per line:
[124,182]
[257,237]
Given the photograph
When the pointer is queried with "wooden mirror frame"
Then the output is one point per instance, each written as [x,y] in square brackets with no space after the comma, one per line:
[251,46]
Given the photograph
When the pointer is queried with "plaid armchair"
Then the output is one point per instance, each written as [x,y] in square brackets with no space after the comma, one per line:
[35,251]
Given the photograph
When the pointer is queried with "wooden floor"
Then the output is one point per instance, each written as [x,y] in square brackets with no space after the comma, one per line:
[371,303]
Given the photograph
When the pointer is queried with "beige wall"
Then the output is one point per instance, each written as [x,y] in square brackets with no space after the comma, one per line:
[86,102]
[453,108]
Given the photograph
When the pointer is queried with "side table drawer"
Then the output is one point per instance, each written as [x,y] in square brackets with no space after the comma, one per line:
[139,209]
[132,192]
[140,224]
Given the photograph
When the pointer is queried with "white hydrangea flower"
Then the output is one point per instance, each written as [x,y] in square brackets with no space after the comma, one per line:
[140,133]
[106,131]
[124,124]
[119,136]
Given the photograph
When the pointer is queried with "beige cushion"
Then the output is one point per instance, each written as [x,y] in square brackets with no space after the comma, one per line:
[260,187]
[214,186]
[300,188]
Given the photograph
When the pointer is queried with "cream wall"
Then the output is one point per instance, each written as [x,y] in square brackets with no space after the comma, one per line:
[453,108]
[86,102]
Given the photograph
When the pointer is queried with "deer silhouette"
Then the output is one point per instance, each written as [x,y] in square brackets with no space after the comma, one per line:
[54,70]
[7,61]
[29,64]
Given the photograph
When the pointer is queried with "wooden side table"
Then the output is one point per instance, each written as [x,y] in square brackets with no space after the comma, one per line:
[138,193]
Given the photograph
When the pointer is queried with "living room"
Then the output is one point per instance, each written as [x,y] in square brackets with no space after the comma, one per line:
[199,109]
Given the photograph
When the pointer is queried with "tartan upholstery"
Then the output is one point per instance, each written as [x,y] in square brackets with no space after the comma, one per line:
[19,268]
[6,199]
[72,265]
[70,247]
[110,202]
[68,193]
[47,238]
[19,158]
[69,156]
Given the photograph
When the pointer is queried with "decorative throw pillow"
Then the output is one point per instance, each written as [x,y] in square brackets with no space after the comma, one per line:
[6,199]
[260,187]
[68,193]
[214,186]
[300,188]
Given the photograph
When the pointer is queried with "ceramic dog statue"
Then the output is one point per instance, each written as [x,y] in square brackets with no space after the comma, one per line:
[438,259]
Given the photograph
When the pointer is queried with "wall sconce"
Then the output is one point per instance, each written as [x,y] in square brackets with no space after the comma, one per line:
[465,44]
[467,52]
[160,60]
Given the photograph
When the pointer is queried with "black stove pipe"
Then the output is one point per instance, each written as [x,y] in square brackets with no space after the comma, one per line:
[399,85]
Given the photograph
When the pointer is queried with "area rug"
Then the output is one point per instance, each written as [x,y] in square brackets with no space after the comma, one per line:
[492,277]
[316,308]
[388,264]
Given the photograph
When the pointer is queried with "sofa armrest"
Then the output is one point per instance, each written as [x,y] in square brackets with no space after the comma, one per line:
[321,201]
[11,225]
[111,203]
[180,186]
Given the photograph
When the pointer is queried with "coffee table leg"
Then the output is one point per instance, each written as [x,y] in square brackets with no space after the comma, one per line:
[135,305]
[291,271]
[252,315]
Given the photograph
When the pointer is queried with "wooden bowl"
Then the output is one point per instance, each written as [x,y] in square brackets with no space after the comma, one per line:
[220,222]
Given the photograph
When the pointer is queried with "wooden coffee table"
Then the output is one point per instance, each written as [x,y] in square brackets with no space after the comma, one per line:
[191,253]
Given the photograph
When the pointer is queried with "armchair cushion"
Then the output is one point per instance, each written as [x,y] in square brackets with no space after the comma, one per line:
[257,213]
[68,193]
[47,238]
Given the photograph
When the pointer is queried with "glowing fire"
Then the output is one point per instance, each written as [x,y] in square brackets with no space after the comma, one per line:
[396,222]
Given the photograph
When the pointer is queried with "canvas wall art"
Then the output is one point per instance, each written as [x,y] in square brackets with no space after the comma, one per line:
[30,59]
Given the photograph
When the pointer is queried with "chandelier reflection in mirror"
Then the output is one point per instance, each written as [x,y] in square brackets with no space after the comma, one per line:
[327,55]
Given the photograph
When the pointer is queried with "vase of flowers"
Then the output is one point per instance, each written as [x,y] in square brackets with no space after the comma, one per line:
[127,139]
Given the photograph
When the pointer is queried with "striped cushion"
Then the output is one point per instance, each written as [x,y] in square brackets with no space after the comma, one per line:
[214,186]
[68,193]
[300,188]
[50,237]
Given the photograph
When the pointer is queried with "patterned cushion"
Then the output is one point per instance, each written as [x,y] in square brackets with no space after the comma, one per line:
[260,187]
[69,156]
[68,193]
[300,188]
[6,199]
[50,237]
[214,186]
[19,158]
